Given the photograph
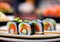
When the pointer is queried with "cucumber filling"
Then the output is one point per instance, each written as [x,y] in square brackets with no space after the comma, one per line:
[24,31]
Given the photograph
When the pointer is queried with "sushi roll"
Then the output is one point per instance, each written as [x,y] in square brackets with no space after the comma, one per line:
[53,22]
[48,25]
[38,25]
[12,28]
[25,29]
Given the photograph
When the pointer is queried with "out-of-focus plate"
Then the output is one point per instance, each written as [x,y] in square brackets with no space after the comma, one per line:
[46,36]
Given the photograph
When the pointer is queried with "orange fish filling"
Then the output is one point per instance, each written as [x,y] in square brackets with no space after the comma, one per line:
[25,27]
[13,27]
[47,26]
[37,28]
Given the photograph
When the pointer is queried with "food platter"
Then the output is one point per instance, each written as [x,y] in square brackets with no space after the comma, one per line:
[31,37]
[46,35]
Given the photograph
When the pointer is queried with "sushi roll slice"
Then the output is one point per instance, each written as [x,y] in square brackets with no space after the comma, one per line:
[48,25]
[38,25]
[53,22]
[25,29]
[12,28]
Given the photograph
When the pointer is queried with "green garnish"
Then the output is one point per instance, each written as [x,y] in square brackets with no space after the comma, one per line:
[16,19]
[19,20]
[26,21]
[34,23]
[47,18]
[21,24]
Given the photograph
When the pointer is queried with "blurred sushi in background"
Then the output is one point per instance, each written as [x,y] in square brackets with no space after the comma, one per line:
[52,11]
[6,8]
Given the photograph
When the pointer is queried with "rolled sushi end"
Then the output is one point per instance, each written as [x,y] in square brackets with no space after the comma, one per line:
[37,25]
[24,29]
[51,24]
[12,29]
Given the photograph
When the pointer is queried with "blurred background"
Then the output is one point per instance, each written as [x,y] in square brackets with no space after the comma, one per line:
[30,9]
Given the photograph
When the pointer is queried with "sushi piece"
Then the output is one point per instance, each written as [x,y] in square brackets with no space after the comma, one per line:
[5,7]
[12,28]
[48,25]
[25,29]
[53,22]
[38,25]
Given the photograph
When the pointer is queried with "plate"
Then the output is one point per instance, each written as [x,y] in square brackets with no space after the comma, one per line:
[45,36]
